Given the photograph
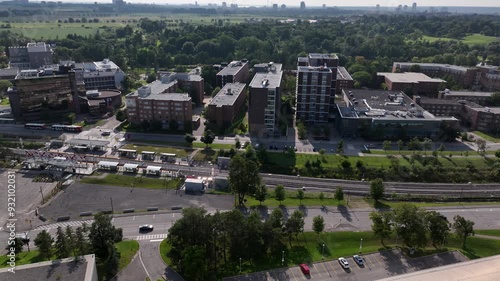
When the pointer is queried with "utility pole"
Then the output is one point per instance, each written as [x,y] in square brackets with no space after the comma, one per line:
[112,210]
[41,192]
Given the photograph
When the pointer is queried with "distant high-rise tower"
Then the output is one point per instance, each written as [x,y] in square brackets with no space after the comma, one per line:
[324,6]
[414,6]
[275,6]
[302,5]
[224,4]
[377,7]
[283,6]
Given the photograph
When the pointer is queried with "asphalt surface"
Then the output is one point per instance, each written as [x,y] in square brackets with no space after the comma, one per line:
[378,265]
[80,197]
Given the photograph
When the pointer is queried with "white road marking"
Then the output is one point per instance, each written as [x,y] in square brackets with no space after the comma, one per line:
[153,216]
[143,266]
[133,218]
[156,240]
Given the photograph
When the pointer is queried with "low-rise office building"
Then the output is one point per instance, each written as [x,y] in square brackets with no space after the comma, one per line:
[481,98]
[33,55]
[414,82]
[236,71]
[98,75]
[264,99]
[158,102]
[225,107]
[384,115]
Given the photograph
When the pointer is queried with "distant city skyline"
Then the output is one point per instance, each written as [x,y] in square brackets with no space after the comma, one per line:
[328,3]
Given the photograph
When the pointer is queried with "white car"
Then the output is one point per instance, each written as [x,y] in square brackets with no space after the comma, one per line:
[344,263]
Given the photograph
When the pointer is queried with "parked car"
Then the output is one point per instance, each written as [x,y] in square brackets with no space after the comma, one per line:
[344,263]
[358,260]
[105,133]
[305,269]
[146,227]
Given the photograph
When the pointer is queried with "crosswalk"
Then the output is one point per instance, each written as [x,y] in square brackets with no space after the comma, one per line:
[151,236]
[64,224]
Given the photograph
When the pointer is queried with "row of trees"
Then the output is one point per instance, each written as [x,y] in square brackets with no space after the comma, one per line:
[99,239]
[417,227]
[204,244]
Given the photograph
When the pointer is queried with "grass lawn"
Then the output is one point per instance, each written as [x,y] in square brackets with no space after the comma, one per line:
[5,101]
[213,145]
[131,181]
[488,137]
[205,155]
[472,39]
[23,258]
[307,248]
[181,152]
[127,250]
[164,249]
[310,199]
[490,232]
[429,153]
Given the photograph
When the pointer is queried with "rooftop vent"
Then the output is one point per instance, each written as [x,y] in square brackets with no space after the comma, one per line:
[229,92]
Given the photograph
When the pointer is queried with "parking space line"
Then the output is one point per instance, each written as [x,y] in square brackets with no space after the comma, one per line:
[293,274]
[332,267]
[326,270]
[274,275]
[366,257]
[375,256]
[317,270]
[391,255]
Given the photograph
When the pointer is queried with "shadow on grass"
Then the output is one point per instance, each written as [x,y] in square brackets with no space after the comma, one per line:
[380,205]
[298,254]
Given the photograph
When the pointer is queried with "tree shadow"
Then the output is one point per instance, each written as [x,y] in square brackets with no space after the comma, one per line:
[381,206]
[284,210]
[325,209]
[344,211]
[299,254]
[304,210]
[263,211]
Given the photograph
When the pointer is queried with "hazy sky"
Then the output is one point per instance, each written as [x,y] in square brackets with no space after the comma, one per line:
[329,3]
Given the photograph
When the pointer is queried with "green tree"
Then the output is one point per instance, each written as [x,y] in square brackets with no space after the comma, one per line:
[463,228]
[410,225]
[497,154]
[17,245]
[321,196]
[82,245]
[71,117]
[382,224]
[318,224]
[113,262]
[439,228]
[43,241]
[387,144]
[302,131]
[215,91]
[481,146]
[401,145]
[279,193]
[237,143]
[244,177]
[61,245]
[339,193]
[377,189]
[189,139]
[103,235]
[300,195]
[151,78]
[276,218]
[4,85]
[295,225]
[121,116]
[208,137]
[340,147]
[261,193]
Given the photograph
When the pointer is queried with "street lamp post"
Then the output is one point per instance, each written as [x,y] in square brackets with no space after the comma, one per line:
[323,252]
[283,258]
[240,265]
[360,245]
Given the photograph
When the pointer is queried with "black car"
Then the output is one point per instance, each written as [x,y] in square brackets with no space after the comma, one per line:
[146,227]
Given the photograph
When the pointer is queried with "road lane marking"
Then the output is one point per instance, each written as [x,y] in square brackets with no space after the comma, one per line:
[156,240]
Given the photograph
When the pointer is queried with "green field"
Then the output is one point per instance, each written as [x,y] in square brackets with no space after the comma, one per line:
[488,137]
[131,181]
[473,39]
[393,204]
[213,145]
[310,199]
[181,152]
[490,232]
[308,248]
[443,153]
[127,250]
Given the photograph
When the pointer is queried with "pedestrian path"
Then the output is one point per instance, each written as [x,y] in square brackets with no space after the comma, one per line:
[64,224]
[151,236]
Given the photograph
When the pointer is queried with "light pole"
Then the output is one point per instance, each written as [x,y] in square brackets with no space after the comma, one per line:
[360,245]
[283,258]
[240,265]
[323,252]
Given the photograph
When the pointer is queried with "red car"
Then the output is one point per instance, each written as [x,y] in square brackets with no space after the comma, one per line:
[305,269]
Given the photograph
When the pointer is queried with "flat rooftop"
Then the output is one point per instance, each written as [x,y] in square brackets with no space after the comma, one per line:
[409,77]
[383,104]
[433,65]
[86,142]
[266,80]
[467,94]
[168,97]
[223,98]
[484,269]
[313,69]
[322,56]
[232,68]
[276,66]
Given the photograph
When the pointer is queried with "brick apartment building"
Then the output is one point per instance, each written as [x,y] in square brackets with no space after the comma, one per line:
[33,55]
[224,108]
[315,89]
[158,102]
[344,80]
[473,115]
[236,71]
[190,82]
[264,99]
[480,77]
[417,83]
[480,98]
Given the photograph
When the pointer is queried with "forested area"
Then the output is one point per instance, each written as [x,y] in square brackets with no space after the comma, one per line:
[365,44]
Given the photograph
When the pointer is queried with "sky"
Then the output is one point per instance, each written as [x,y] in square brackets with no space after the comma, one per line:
[329,3]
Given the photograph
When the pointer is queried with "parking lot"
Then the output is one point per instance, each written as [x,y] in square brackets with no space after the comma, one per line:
[377,266]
